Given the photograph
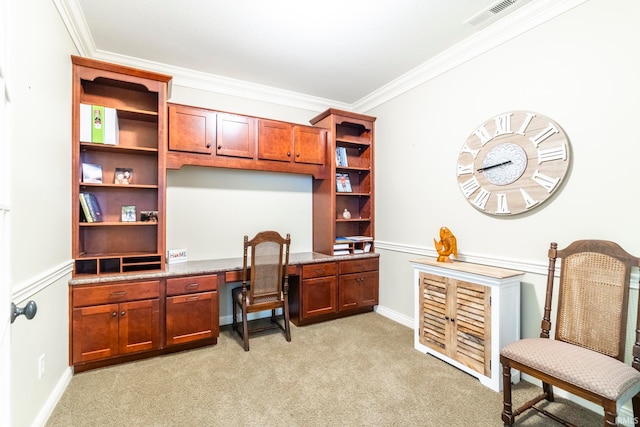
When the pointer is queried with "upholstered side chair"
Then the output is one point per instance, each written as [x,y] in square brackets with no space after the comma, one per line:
[585,355]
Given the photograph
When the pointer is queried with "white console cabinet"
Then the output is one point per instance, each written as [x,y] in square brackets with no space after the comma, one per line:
[465,313]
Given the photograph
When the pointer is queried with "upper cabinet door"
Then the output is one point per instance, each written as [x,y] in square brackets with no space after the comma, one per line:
[310,145]
[191,129]
[236,135]
[275,140]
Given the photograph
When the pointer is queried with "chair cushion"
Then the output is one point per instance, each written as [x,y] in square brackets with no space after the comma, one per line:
[576,365]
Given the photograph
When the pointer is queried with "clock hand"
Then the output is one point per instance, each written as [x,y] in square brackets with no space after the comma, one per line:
[494,166]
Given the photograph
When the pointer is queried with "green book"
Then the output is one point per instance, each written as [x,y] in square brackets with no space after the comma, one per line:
[97,124]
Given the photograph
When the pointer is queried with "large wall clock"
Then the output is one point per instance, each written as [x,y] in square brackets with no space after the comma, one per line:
[513,162]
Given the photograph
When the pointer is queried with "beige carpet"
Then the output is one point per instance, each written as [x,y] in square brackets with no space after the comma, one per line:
[356,371]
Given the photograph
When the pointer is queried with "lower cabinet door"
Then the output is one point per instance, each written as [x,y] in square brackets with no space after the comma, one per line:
[358,290]
[192,317]
[139,326]
[319,296]
[95,332]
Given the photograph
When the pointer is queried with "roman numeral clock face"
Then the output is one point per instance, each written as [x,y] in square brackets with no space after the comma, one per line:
[512,163]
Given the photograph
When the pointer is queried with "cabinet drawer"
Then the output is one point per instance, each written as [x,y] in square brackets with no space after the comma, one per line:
[188,285]
[319,270]
[358,265]
[104,294]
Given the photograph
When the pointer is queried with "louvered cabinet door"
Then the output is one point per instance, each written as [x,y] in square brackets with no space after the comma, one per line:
[434,318]
[471,344]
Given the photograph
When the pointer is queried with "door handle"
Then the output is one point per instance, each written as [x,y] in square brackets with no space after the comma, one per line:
[29,310]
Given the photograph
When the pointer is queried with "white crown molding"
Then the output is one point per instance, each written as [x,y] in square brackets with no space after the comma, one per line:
[77,27]
[224,85]
[520,21]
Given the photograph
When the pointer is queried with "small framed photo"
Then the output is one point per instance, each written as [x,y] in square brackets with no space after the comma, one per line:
[91,173]
[123,176]
[128,213]
[343,183]
[149,216]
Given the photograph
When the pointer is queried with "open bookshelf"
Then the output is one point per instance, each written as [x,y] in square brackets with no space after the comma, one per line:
[110,244]
[352,145]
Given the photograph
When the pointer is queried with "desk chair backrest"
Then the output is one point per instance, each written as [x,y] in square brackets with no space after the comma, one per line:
[269,255]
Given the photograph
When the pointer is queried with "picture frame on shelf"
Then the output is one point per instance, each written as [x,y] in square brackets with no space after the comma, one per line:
[149,216]
[341,157]
[129,213]
[91,173]
[123,176]
[343,183]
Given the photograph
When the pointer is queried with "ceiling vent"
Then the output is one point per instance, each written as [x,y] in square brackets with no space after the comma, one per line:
[494,12]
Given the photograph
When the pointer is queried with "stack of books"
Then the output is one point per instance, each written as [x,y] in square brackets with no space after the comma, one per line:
[90,208]
[346,245]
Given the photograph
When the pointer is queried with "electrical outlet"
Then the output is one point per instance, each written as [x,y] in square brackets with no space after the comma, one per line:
[41,366]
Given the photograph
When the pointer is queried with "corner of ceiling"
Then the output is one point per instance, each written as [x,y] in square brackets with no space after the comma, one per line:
[518,22]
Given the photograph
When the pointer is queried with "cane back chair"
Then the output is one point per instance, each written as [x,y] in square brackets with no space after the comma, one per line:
[265,283]
[585,357]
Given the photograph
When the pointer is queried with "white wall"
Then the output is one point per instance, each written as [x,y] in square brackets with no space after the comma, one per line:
[40,244]
[581,69]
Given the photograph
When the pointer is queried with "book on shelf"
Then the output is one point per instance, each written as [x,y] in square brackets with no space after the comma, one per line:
[340,246]
[111,126]
[91,173]
[85,212]
[342,252]
[341,157]
[97,124]
[359,238]
[343,183]
[90,207]
[85,123]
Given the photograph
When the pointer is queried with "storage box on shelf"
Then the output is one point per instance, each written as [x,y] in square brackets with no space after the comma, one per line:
[138,98]
[352,188]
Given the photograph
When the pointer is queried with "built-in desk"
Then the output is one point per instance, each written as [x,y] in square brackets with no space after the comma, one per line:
[121,317]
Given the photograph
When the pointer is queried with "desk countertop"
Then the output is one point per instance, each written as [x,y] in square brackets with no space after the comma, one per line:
[210,266]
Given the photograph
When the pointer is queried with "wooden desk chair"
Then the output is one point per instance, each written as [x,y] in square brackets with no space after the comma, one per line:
[586,355]
[268,284]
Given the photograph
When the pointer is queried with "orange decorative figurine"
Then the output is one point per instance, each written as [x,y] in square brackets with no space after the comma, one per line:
[446,246]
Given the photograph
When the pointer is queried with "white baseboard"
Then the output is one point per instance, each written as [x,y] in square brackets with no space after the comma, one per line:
[395,316]
[54,398]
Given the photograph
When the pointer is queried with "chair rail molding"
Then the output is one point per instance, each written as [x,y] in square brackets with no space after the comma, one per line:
[24,291]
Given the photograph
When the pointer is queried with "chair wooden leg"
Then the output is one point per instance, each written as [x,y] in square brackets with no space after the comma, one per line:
[507,410]
[234,323]
[273,316]
[287,329]
[635,402]
[245,330]
[610,414]
[548,389]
